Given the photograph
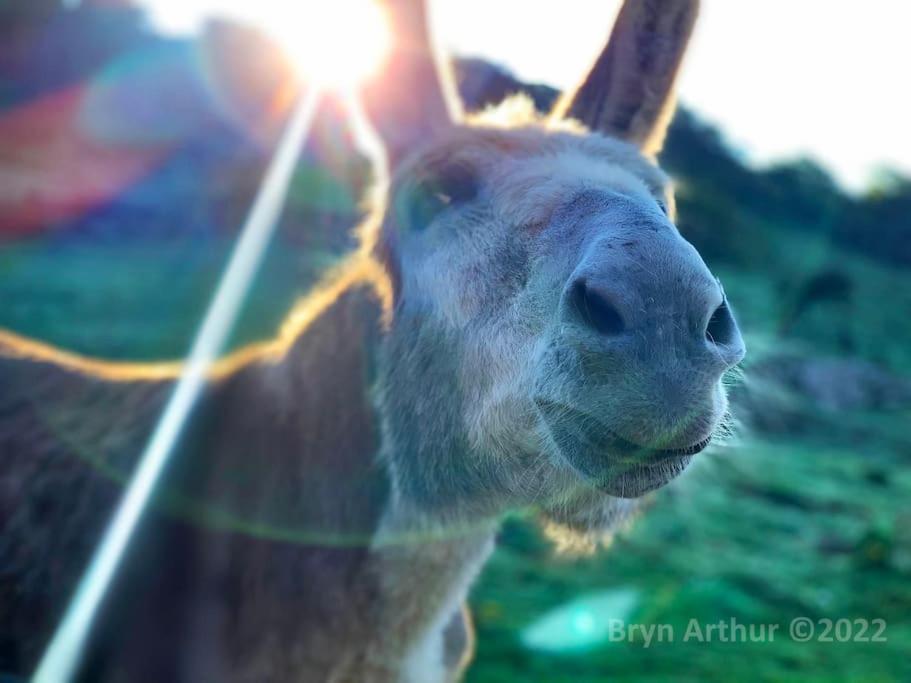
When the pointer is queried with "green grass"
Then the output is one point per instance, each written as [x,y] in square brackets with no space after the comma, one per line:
[762,533]
[140,301]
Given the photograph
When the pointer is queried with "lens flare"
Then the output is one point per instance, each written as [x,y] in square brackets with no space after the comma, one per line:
[582,624]
[336,44]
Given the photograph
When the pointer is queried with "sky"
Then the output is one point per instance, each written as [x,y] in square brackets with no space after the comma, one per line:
[781,78]
[828,79]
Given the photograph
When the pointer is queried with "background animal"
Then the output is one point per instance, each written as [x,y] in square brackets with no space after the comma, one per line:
[522,325]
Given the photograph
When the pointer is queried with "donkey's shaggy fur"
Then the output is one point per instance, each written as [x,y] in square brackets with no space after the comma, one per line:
[522,327]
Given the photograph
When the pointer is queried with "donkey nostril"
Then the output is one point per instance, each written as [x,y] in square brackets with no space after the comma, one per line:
[721,328]
[596,311]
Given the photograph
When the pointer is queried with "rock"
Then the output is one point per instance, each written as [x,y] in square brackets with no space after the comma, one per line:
[790,393]
[841,384]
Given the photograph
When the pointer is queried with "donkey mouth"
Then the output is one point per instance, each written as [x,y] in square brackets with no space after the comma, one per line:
[614,464]
[658,454]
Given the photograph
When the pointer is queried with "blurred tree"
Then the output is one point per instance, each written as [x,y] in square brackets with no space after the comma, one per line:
[696,152]
[879,224]
[721,197]
[829,284]
[804,193]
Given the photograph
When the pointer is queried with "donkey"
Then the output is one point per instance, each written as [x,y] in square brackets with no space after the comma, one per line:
[522,327]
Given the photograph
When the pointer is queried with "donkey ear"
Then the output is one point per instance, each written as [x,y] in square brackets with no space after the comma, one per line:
[413,96]
[629,91]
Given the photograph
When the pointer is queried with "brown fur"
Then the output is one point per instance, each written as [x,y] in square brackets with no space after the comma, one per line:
[66,434]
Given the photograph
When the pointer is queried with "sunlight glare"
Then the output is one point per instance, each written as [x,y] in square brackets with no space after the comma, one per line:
[336,44]
[61,659]
[582,624]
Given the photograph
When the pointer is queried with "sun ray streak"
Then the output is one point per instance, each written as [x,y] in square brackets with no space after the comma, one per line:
[62,655]
[366,138]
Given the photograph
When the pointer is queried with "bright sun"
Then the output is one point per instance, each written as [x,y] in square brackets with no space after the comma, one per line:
[335,43]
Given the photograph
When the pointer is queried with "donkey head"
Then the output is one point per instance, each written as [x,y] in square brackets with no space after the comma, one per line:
[553,337]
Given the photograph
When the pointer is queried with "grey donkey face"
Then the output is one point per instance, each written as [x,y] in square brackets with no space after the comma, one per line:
[628,379]
[552,327]
[555,340]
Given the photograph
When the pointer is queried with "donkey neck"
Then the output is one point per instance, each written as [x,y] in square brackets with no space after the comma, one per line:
[419,561]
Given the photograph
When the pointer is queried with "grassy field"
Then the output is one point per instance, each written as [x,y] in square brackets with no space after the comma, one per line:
[763,530]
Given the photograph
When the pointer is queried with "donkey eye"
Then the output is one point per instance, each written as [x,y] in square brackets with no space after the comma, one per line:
[424,205]
[663,206]
[443,188]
